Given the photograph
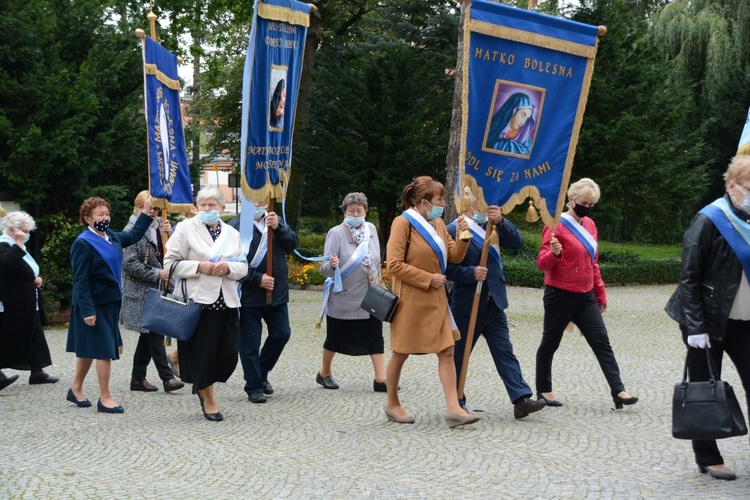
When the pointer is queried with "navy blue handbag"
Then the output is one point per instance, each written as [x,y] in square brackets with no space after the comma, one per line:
[170,314]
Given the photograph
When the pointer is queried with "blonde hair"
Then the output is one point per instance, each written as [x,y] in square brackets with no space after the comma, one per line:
[140,200]
[739,168]
[584,187]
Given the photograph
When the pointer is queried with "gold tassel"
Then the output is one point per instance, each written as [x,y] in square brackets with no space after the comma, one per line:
[317,326]
[531,215]
[167,341]
[121,350]
[456,335]
[569,328]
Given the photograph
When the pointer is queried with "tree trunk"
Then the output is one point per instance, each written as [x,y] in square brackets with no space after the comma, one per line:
[452,159]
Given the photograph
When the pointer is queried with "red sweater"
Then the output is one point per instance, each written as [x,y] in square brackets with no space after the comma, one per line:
[572,270]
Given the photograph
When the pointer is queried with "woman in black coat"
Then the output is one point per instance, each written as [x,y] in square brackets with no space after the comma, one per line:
[22,342]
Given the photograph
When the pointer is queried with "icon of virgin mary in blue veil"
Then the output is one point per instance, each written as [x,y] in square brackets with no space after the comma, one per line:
[512,127]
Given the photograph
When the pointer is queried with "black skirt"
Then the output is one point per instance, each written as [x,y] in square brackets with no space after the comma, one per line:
[354,337]
[25,352]
[211,355]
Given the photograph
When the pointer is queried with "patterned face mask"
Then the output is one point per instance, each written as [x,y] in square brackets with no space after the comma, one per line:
[101,225]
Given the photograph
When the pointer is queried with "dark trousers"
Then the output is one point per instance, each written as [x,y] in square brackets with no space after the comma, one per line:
[257,362]
[493,325]
[150,346]
[560,308]
[736,343]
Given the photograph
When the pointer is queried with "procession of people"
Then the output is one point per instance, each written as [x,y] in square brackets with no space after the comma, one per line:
[436,269]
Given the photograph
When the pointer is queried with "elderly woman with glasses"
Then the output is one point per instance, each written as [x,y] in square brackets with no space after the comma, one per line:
[22,342]
[355,250]
[207,254]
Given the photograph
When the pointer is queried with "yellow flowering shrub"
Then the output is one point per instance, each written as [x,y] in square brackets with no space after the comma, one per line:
[304,273]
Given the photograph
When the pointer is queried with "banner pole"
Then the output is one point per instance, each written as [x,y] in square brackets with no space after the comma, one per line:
[269,253]
[474,310]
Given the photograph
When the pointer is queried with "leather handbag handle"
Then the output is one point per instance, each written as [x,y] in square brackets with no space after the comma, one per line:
[713,377]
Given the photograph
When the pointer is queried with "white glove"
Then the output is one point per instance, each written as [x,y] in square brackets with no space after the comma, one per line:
[699,341]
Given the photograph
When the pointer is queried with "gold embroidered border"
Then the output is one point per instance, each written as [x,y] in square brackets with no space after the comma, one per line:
[744,150]
[290,16]
[546,42]
[171,83]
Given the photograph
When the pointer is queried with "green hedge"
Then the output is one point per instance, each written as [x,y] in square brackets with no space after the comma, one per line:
[617,269]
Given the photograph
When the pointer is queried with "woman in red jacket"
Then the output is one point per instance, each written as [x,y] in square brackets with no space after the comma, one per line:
[575,292]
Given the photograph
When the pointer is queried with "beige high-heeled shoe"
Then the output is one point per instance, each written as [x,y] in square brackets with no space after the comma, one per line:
[408,419]
[454,420]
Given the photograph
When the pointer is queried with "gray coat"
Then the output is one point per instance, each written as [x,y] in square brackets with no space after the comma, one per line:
[345,305]
[139,273]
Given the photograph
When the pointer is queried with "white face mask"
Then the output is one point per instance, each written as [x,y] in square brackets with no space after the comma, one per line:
[259,212]
[745,205]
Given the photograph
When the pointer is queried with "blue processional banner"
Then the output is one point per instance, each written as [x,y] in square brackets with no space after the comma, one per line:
[169,172]
[744,146]
[269,96]
[526,79]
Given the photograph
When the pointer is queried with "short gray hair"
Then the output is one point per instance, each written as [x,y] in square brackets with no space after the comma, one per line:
[211,193]
[358,198]
[17,220]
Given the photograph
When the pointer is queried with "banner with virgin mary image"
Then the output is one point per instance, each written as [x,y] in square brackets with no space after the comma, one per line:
[269,96]
[525,78]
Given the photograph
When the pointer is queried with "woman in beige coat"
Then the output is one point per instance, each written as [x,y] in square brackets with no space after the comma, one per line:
[418,250]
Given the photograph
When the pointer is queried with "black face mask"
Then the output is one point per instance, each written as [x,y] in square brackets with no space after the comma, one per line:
[580,210]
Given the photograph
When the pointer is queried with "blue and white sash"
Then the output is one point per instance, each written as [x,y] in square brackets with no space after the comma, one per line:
[336,283]
[735,230]
[107,251]
[479,234]
[437,244]
[588,241]
[262,249]
[26,257]
[428,232]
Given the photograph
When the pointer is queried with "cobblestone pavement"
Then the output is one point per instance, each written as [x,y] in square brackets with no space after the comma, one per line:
[308,442]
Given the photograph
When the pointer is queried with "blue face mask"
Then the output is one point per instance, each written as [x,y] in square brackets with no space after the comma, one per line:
[480,218]
[354,221]
[209,217]
[435,212]
[26,238]
[259,212]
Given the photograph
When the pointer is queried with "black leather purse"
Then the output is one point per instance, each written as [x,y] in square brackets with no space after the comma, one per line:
[380,303]
[706,409]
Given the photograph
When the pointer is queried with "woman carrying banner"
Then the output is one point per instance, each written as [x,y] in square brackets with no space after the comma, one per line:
[142,269]
[512,127]
[712,301]
[575,292]
[355,250]
[419,250]
[94,333]
[22,342]
[208,256]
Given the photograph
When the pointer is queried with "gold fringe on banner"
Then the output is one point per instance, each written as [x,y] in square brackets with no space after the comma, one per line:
[275,13]
[744,150]
[172,207]
[531,215]
[151,69]
[275,191]
[546,42]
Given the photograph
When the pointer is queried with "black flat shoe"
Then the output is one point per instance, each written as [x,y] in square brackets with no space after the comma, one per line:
[7,381]
[623,401]
[724,474]
[80,404]
[257,397]
[327,382]
[108,409]
[42,378]
[548,402]
[267,387]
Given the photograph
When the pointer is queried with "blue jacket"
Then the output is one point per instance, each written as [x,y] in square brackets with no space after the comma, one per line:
[462,275]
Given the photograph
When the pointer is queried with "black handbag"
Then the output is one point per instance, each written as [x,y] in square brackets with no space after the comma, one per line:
[380,303]
[170,314]
[707,409]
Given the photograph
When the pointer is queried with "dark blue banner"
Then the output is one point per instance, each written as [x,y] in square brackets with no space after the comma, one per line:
[269,96]
[169,173]
[526,78]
